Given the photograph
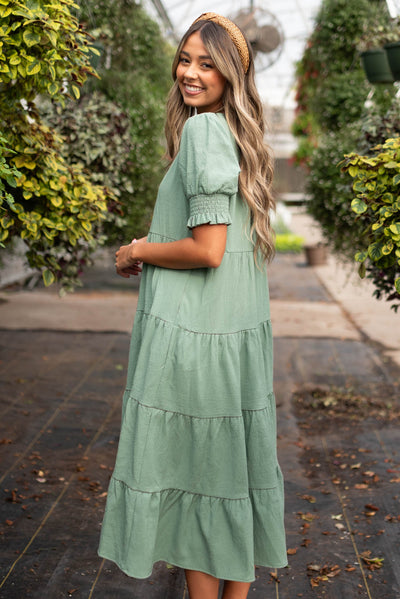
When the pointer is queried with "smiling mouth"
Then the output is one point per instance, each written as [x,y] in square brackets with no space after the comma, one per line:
[192,89]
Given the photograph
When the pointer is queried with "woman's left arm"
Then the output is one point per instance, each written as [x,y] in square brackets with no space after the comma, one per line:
[204,250]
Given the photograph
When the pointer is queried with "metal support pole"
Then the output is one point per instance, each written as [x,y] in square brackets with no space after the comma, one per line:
[162,13]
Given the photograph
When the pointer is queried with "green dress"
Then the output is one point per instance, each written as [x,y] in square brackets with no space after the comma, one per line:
[196,481]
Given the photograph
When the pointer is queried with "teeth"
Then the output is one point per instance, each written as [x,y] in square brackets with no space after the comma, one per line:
[192,88]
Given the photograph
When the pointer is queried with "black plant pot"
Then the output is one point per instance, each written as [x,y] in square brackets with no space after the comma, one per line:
[376,66]
[393,55]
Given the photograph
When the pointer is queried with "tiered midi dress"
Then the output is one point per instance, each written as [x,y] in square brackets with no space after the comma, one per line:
[196,481]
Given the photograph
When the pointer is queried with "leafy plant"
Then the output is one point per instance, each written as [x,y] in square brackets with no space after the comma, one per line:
[96,134]
[135,69]
[331,85]
[55,207]
[330,192]
[289,243]
[9,174]
[376,181]
[382,33]
[43,48]
[329,189]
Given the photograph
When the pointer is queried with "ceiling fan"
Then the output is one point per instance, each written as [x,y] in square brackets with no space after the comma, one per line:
[264,33]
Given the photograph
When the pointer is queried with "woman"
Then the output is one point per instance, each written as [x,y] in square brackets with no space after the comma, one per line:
[196,481]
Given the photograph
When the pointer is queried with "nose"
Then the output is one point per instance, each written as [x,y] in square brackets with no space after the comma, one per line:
[191,71]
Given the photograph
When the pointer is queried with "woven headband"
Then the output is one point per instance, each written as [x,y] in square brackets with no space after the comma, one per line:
[234,33]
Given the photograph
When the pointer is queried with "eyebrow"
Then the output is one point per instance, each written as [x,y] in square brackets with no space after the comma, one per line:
[202,57]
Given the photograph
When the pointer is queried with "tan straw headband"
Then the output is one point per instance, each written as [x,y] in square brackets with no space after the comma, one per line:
[234,33]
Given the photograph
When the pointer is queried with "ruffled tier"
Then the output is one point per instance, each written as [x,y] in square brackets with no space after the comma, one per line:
[200,493]
[217,456]
[222,537]
[199,374]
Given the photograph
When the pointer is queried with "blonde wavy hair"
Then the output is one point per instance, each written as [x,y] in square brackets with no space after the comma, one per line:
[244,114]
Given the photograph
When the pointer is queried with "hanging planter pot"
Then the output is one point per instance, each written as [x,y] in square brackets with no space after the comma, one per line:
[376,66]
[393,56]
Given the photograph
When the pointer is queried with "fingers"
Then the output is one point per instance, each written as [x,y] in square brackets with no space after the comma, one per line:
[123,274]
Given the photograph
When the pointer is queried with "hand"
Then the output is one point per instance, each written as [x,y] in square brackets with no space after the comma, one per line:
[125,263]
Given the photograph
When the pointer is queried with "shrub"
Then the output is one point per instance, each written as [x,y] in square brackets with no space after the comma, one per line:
[331,85]
[376,181]
[330,188]
[96,134]
[331,194]
[135,69]
[53,206]
[289,243]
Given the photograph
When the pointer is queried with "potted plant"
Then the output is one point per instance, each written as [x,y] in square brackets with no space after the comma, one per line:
[316,254]
[373,56]
[380,52]
[392,49]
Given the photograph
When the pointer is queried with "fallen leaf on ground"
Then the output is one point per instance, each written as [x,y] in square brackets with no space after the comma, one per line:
[372,563]
[309,498]
[308,517]
[349,568]
[292,551]
[274,576]
[325,573]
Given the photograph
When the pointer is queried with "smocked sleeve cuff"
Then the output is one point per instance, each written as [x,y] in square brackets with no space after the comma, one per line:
[209,209]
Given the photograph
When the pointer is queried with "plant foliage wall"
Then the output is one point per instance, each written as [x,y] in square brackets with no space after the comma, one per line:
[135,70]
[53,206]
[80,160]
[339,112]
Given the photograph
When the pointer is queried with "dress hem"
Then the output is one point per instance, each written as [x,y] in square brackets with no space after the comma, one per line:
[185,567]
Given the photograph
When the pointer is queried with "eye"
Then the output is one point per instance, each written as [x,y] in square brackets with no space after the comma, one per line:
[207,65]
[184,60]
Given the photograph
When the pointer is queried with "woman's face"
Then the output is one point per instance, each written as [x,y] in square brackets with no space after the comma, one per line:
[200,83]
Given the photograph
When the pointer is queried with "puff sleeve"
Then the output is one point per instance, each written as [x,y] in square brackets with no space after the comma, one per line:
[209,166]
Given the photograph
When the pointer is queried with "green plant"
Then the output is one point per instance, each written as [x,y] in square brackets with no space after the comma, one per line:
[383,32]
[96,134]
[9,174]
[55,207]
[330,192]
[331,86]
[289,243]
[135,69]
[329,189]
[43,48]
[376,181]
